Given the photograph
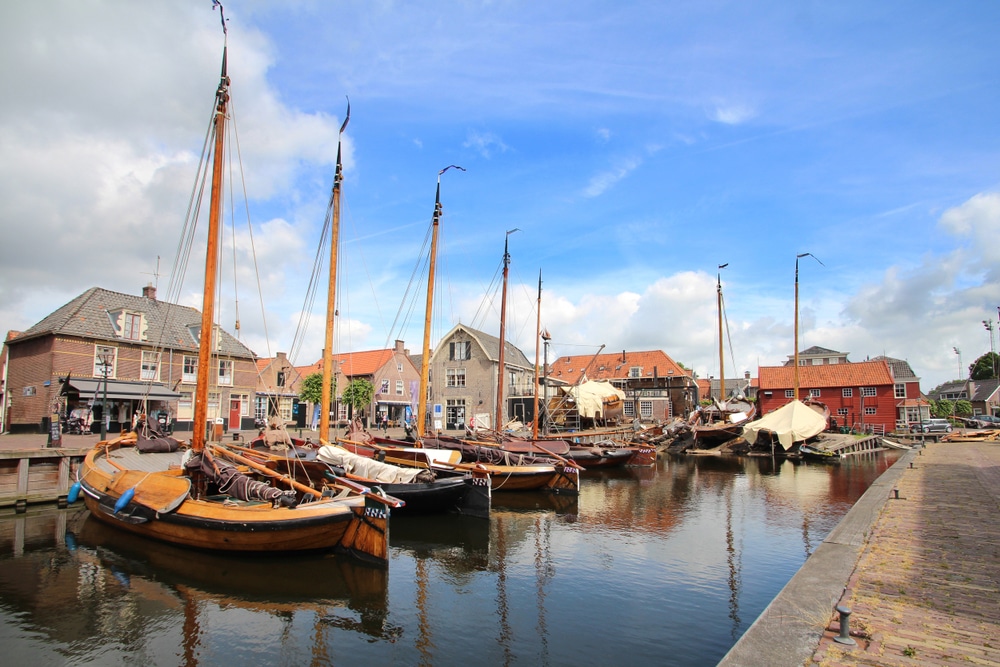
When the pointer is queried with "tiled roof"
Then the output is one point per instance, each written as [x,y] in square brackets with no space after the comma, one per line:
[816,351]
[491,346]
[615,366]
[984,389]
[352,364]
[856,374]
[168,324]
[901,370]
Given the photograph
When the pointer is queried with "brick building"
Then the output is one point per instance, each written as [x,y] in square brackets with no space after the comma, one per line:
[142,352]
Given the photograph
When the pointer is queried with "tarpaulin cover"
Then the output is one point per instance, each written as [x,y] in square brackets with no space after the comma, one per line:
[791,423]
[591,395]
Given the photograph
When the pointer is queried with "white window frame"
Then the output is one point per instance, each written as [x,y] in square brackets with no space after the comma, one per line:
[455,377]
[399,387]
[646,409]
[628,408]
[225,379]
[189,377]
[212,405]
[868,392]
[842,412]
[870,411]
[847,392]
[899,390]
[99,368]
[185,406]
[384,386]
[132,326]
[814,393]
[789,393]
[150,369]
[635,372]
[285,408]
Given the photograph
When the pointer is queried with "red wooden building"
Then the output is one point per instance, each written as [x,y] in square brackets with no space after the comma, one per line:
[859,394]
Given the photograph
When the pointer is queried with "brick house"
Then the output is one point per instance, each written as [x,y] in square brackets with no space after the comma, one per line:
[860,394]
[911,404]
[391,372]
[656,387]
[463,380]
[144,352]
[277,396]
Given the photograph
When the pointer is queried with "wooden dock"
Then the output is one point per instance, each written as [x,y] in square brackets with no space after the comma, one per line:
[38,475]
[841,445]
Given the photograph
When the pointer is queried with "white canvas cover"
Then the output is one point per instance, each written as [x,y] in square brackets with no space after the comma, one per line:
[365,467]
[792,423]
[590,397]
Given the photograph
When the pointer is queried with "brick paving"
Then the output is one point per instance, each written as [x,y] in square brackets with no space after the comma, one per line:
[926,589]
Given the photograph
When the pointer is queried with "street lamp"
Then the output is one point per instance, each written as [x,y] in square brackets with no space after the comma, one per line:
[546,337]
[959,353]
[988,324]
[105,358]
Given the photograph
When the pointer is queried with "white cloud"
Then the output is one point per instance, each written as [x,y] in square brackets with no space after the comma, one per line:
[485,143]
[605,180]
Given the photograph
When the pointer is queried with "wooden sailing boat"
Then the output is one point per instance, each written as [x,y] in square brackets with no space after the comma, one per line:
[725,419]
[199,497]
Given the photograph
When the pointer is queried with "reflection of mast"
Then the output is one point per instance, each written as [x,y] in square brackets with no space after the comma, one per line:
[735,568]
[423,636]
[502,608]
[191,632]
[543,570]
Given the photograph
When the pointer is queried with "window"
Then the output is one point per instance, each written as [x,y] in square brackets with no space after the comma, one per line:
[628,408]
[399,387]
[646,409]
[814,393]
[868,391]
[842,412]
[244,400]
[105,355]
[847,392]
[399,367]
[384,387]
[870,411]
[151,366]
[342,412]
[260,408]
[459,351]
[455,377]
[213,404]
[185,406]
[455,413]
[190,372]
[226,372]
[635,372]
[133,326]
[285,408]
[899,390]
[789,393]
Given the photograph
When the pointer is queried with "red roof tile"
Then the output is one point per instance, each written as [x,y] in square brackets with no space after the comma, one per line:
[855,374]
[615,366]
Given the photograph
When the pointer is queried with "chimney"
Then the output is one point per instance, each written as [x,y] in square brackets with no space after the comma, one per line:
[399,346]
[149,292]
[746,375]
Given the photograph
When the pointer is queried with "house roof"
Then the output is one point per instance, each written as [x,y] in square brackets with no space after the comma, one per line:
[353,364]
[817,351]
[860,373]
[984,389]
[168,325]
[491,346]
[615,366]
[900,368]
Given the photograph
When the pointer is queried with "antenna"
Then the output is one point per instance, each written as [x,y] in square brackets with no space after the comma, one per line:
[155,274]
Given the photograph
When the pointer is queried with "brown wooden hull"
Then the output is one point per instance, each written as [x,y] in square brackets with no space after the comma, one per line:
[354,525]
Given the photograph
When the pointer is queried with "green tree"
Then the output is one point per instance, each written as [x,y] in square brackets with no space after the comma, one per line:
[358,394]
[985,367]
[312,388]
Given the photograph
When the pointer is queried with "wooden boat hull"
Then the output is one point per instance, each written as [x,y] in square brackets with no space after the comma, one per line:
[355,525]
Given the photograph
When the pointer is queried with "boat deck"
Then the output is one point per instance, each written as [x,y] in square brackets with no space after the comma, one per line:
[130,458]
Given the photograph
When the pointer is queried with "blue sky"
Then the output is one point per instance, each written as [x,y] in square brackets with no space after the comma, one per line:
[636,145]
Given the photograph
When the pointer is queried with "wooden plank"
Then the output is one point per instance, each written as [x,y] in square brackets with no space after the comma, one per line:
[159,492]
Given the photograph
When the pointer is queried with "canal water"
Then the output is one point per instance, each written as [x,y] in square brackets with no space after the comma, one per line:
[667,565]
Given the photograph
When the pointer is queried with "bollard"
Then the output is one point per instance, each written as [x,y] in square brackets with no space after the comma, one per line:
[845,627]
[911,464]
[895,494]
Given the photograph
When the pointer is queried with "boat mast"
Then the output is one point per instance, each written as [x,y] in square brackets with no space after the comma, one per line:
[796,341]
[331,305]
[207,332]
[425,359]
[503,324]
[722,363]
[538,335]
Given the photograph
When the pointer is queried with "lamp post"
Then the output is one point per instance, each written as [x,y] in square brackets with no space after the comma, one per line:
[959,353]
[546,337]
[105,357]
[988,324]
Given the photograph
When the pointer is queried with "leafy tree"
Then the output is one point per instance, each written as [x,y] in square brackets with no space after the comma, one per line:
[358,394]
[985,367]
[312,388]
[947,408]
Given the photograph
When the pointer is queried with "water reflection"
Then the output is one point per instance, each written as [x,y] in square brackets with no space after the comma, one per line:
[691,548]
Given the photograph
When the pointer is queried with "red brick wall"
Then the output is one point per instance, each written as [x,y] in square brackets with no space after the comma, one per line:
[29,365]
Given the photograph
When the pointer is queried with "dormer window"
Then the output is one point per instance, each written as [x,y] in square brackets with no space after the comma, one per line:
[195,331]
[128,324]
[635,372]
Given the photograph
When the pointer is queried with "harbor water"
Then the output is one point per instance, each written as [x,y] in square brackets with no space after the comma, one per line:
[666,565]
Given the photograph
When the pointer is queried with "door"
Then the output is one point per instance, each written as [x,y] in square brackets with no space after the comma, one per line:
[235,406]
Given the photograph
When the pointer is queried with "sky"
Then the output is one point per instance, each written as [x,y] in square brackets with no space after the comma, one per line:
[635,146]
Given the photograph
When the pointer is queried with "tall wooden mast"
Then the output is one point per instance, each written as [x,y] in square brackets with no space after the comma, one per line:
[207,333]
[796,341]
[538,340]
[722,356]
[425,357]
[331,294]
[503,324]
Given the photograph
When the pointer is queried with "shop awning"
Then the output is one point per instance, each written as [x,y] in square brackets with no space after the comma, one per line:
[117,389]
[385,402]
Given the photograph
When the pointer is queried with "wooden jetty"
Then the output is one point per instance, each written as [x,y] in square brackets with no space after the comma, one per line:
[37,475]
[838,445]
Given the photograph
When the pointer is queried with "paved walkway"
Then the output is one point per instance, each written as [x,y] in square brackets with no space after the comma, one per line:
[920,573]
[927,587]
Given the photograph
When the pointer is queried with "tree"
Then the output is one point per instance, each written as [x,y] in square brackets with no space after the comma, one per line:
[358,394]
[985,367]
[312,388]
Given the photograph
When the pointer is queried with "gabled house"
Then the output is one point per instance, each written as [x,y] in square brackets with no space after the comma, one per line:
[464,380]
[130,353]
[818,356]
[985,397]
[656,387]
[277,397]
[860,395]
[390,371]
